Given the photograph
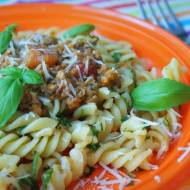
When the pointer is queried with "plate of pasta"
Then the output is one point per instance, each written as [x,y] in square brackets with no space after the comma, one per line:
[90,99]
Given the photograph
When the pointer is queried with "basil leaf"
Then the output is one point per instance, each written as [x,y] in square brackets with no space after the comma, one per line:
[28,76]
[46,178]
[93,146]
[161,94]
[11,89]
[36,164]
[6,37]
[28,181]
[13,71]
[82,29]
[32,77]
[11,92]
[11,27]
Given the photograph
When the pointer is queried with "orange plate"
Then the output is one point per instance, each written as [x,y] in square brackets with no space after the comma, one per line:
[148,41]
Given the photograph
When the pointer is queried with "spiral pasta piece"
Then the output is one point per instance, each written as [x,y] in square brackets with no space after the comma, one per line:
[115,104]
[85,110]
[67,169]
[119,154]
[40,135]
[110,48]
[143,75]
[8,163]
[173,70]
[20,121]
[8,182]
[81,134]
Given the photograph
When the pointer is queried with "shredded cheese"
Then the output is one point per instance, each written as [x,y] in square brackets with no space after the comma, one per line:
[175,113]
[11,60]
[12,49]
[73,90]
[152,166]
[53,113]
[80,74]
[98,62]
[185,154]
[103,183]
[121,180]
[46,102]
[45,70]
[86,65]
[81,183]
[164,127]
[157,178]
[68,50]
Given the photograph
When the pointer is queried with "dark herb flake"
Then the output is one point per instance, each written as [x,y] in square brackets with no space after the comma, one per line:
[28,181]
[66,122]
[46,178]
[93,146]
[95,132]
[116,56]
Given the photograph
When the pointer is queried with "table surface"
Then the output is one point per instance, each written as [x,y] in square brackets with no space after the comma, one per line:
[180,7]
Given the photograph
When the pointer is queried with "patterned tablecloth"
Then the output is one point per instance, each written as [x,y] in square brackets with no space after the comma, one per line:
[181,7]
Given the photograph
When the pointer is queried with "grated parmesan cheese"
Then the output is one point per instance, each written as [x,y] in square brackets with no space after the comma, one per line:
[11,60]
[121,180]
[98,62]
[73,90]
[103,183]
[80,74]
[164,127]
[45,70]
[157,178]
[175,113]
[46,102]
[86,65]
[185,154]
[12,49]
[81,183]
[68,50]
[53,113]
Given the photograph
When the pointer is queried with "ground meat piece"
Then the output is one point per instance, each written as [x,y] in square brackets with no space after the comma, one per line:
[109,78]
[36,104]
[26,101]
[30,102]
[74,103]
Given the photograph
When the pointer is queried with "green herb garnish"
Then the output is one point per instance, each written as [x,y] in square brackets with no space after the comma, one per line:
[125,118]
[6,37]
[36,164]
[83,29]
[31,77]
[161,94]
[46,178]
[12,89]
[95,132]
[116,56]
[134,77]
[19,130]
[28,181]
[64,121]
[93,146]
